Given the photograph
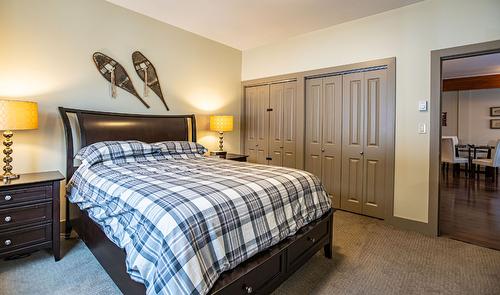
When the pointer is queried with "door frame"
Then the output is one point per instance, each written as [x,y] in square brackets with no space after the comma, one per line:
[437,58]
[300,77]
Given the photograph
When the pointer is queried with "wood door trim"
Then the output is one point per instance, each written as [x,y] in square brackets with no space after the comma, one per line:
[437,57]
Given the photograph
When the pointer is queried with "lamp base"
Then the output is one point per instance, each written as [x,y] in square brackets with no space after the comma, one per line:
[7,168]
[9,176]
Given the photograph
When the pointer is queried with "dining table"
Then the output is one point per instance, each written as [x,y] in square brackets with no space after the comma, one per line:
[474,151]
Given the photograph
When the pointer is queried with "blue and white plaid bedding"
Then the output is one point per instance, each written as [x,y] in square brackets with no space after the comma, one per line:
[185,219]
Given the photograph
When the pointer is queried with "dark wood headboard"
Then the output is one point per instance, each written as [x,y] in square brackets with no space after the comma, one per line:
[100,126]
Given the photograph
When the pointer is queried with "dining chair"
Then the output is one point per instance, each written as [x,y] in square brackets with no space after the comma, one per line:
[453,137]
[448,155]
[455,142]
[492,163]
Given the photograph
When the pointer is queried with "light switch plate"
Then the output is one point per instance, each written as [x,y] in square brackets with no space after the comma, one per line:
[422,105]
[422,128]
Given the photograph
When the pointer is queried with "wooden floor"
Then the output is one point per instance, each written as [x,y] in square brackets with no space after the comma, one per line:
[469,209]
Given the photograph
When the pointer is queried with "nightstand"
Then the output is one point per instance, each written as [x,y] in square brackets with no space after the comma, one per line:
[29,214]
[236,157]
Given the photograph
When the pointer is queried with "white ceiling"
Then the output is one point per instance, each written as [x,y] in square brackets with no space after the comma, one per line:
[472,66]
[245,24]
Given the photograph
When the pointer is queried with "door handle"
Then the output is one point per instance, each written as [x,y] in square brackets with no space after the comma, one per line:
[322,150]
[361,153]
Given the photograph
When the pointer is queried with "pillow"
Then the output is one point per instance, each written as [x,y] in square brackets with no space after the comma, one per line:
[114,150]
[180,147]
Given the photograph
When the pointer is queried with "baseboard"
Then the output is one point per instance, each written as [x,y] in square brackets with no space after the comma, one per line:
[411,225]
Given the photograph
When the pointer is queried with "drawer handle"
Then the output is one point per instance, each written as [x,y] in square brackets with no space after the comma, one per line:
[7,218]
[7,242]
[312,240]
[249,289]
[7,198]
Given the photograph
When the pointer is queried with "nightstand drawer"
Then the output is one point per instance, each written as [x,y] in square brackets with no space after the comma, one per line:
[9,197]
[25,237]
[20,215]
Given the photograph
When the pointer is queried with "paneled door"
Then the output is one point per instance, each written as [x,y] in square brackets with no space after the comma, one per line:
[282,124]
[352,142]
[364,142]
[314,125]
[331,159]
[251,104]
[290,125]
[257,122]
[323,132]
[276,103]
[262,124]
[374,160]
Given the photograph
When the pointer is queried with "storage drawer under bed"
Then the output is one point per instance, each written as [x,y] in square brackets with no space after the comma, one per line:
[310,242]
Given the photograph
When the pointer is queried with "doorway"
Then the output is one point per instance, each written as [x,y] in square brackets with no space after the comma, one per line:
[465,143]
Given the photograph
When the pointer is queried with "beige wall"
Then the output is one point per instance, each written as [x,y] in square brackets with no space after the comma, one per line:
[409,34]
[474,116]
[45,56]
[469,115]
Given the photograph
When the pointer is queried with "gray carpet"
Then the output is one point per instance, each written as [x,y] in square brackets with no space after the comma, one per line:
[370,258]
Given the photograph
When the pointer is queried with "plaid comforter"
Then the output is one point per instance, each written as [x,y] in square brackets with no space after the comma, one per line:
[184,221]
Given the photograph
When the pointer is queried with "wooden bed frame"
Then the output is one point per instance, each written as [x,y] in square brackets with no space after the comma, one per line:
[261,274]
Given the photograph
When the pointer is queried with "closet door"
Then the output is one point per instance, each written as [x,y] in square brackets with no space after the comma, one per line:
[314,116]
[251,105]
[375,143]
[276,124]
[289,124]
[262,124]
[352,142]
[331,115]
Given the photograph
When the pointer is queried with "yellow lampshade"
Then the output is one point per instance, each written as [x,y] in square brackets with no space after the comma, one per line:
[221,123]
[18,115]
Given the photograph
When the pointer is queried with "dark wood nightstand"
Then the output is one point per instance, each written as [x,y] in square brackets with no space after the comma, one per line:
[29,214]
[236,157]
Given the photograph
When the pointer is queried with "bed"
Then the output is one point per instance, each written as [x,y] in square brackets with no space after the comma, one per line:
[261,273]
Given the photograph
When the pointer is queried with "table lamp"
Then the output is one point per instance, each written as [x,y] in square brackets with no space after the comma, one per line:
[15,115]
[221,124]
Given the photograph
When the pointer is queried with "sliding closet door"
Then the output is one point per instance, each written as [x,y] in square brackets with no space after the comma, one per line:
[375,143]
[289,124]
[331,160]
[270,114]
[314,116]
[262,124]
[251,104]
[352,142]
[276,124]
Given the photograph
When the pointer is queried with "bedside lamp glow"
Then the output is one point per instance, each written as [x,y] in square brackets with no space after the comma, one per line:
[221,124]
[15,115]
